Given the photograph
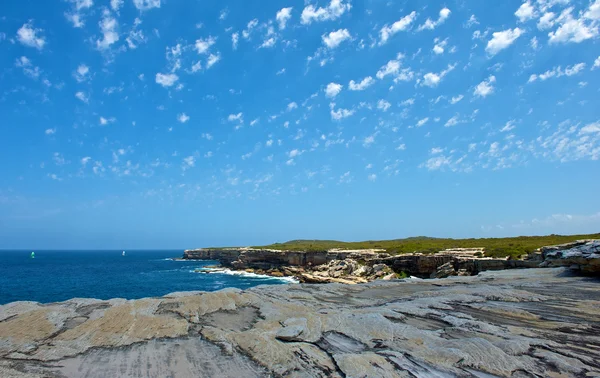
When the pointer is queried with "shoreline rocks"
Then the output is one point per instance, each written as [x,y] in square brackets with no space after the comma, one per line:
[359,266]
[582,255]
[512,323]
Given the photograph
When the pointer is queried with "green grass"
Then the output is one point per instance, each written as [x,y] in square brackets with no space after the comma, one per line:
[494,247]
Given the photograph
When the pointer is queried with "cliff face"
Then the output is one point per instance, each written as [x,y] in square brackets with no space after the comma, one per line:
[518,323]
[244,258]
[357,265]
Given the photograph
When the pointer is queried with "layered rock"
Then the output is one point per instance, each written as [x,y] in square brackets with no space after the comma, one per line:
[355,266]
[582,255]
[266,259]
[516,323]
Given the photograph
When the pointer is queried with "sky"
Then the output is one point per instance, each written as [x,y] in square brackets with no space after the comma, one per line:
[182,124]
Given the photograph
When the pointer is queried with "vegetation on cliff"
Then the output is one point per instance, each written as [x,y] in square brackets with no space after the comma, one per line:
[494,247]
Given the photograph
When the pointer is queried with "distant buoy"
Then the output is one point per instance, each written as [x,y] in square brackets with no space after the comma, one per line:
[33,255]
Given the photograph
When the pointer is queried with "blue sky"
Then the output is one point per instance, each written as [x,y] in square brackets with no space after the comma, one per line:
[171,123]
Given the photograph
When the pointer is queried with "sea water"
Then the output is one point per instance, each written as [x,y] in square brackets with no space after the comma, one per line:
[54,276]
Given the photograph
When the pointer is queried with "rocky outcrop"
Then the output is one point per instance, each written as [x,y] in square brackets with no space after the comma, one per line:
[582,255]
[253,258]
[514,323]
[356,266]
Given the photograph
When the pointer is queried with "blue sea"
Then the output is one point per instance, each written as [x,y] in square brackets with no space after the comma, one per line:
[54,276]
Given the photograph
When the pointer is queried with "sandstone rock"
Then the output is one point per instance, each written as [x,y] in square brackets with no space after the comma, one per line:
[582,255]
[539,322]
[363,270]
[444,271]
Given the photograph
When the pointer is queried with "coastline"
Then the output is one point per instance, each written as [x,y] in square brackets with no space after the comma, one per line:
[361,266]
[539,321]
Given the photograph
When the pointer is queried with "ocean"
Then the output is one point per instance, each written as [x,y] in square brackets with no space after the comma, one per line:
[54,276]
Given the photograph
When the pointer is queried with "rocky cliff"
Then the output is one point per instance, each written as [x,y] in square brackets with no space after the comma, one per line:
[356,266]
[513,323]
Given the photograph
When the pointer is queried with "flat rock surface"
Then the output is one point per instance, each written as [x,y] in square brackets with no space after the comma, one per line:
[513,323]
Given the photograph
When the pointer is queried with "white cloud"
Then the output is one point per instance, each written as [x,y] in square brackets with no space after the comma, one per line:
[334,10]
[283,16]
[166,80]
[85,160]
[223,14]
[291,106]
[339,113]
[422,122]
[432,79]
[471,21]
[501,40]
[593,12]
[534,43]
[268,43]
[251,25]
[235,37]
[590,128]
[485,88]
[335,38]
[105,121]
[525,12]
[28,68]
[82,72]
[188,162]
[402,24]
[364,84]
[135,37]
[571,29]
[294,153]
[508,127]
[430,25]
[383,105]
[345,178]
[50,131]
[29,36]
[546,21]
[183,118]
[196,66]
[558,72]
[212,60]
[146,4]
[108,27]
[390,68]
[203,45]
[439,46]
[436,150]
[372,177]
[333,89]
[236,117]
[81,96]
[452,122]
[116,4]
[437,162]
[75,19]
[596,63]
[456,99]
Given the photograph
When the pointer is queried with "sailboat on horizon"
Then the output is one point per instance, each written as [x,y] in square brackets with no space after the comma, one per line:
[33,255]
[123,254]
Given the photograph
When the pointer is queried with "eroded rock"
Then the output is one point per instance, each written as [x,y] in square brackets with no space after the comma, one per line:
[541,322]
